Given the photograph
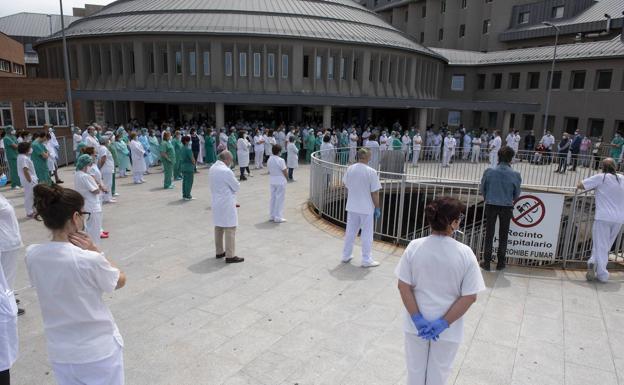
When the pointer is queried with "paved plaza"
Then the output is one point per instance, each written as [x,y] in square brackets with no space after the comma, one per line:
[293,314]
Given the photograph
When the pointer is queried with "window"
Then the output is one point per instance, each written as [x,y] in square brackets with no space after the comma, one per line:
[150,62]
[165,62]
[556,80]
[441,34]
[318,68]
[557,12]
[454,118]
[406,16]
[257,65]
[18,69]
[306,66]
[40,113]
[462,30]
[330,68]
[488,1]
[381,66]
[578,80]
[492,119]
[178,62]
[242,64]
[356,68]
[603,79]
[370,70]
[423,12]
[464,4]
[271,65]
[422,37]
[343,69]
[550,122]
[285,66]
[192,63]
[571,124]
[528,120]
[442,6]
[206,63]
[514,80]
[6,116]
[228,64]
[457,83]
[132,69]
[497,81]
[533,81]
[486,26]
[595,127]
[390,70]
[5,66]
[480,81]
[523,17]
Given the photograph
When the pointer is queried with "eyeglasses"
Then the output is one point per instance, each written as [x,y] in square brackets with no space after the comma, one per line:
[83,213]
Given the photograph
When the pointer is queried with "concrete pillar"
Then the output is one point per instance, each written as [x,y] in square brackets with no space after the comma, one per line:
[369,111]
[219,115]
[506,123]
[422,120]
[327,111]
[298,114]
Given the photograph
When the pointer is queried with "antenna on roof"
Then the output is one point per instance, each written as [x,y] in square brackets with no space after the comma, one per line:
[608,22]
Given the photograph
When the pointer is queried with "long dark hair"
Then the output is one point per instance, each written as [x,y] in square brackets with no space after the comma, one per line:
[56,205]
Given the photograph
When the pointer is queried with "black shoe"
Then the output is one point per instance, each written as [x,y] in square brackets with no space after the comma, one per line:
[500,266]
[219,256]
[234,260]
[20,312]
[243,177]
[485,265]
[17,301]
[59,181]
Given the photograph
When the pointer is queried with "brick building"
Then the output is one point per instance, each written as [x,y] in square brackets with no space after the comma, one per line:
[11,58]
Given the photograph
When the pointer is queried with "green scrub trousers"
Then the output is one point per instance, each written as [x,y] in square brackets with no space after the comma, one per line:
[187,184]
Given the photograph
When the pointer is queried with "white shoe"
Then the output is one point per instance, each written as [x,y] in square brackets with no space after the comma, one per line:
[280,220]
[347,260]
[370,264]
[591,271]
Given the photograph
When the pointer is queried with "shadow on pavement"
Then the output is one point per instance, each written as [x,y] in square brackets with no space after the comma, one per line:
[348,272]
[207,266]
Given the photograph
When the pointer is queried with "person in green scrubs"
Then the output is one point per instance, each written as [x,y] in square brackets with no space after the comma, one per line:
[39,158]
[188,168]
[310,145]
[232,140]
[210,154]
[113,151]
[177,148]
[123,154]
[10,149]
[397,145]
[616,146]
[168,158]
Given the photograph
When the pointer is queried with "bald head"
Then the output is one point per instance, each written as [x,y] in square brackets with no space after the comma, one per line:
[226,157]
[364,155]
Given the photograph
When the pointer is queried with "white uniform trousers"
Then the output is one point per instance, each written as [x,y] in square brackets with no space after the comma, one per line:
[107,179]
[603,235]
[93,227]
[278,196]
[8,260]
[109,371]
[428,362]
[436,153]
[355,222]
[137,176]
[122,171]
[352,154]
[416,156]
[476,152]
[28,197]
[448,153]
[493,159]
[258,159]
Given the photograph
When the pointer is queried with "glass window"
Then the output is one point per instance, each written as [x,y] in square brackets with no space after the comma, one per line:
[343,69]
[486,26]
[497,81]
[355,68]
[165,62]
[457,83]
[178,62]
[557,12]
[527,121]
[422,37]
[578,80]
[514,81]
[271,65]
[441,34]
[257,65]
[18,69]
[464,4]
[533,82]
[132,69]
[318,67]
[424,12]
[228,64]
[442,6]
[206,63]
[381,69]
[480,81]
[570,124]
[330,68]
[306,66]
[242,63]
[6,115]
[603,79]
[454,118]
[5,66]
[556,80]
[523,17]
[192,63]
[595,127]
[40,113]
[492,119]
[370,70]
[462,30]
[150,62]
[285,66]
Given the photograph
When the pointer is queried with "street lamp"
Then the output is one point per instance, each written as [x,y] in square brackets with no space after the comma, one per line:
[552,75]
[70,106]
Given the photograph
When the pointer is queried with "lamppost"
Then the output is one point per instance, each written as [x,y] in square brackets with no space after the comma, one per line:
[70,106]
[552,75]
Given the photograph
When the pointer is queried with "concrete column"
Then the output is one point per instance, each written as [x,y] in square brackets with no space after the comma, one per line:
[422,120]
[219,115]
[506,123]
[298,114]
[369,111]
[327,111]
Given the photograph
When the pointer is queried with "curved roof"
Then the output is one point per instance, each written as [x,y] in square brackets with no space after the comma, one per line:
[333,20]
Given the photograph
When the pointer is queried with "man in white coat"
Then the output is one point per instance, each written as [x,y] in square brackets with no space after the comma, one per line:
[353,139]
[494,146]
[417,144]
[10,244]
[363,187]
[259,141]
[476,149]
[277,179]
[137,152]
[449,149]
[292,157]
[373,146]
[223,189]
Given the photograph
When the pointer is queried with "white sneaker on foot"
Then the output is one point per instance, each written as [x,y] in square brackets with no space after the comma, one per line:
[280,220]
[347,260]
[370,264]
[591,271]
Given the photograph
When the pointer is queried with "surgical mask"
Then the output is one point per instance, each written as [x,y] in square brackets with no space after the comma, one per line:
[29,151]
[12,132]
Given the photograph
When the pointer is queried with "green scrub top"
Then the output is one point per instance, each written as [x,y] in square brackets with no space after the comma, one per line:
[167,148]
[616,151]
[187,160]
[9,141]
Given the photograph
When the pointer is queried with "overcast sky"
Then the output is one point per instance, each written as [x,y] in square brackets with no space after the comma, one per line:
[9,7]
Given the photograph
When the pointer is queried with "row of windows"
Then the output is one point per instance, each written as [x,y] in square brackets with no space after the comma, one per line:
[556,12]
[423,10]
[37,113]
[5,66]
[602,80]
[487,25]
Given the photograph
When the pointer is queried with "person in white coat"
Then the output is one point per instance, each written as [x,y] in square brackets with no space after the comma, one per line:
[71,276]
[373,146]
[467,146]
[417,145]
[106,164]
[609,217]
[9,342]
[277,181]
[77,139]
[259,141]
[363,187]
[292,158]
[242,154]
[223,189]
[383,141]
[89,139]
[449,149]
[10,244]
[476,149]
[27,176]
[513,141]
[494,146]
[137,152]
[353,139]
[52,146]
[406,144]
[438,280]
[90,189]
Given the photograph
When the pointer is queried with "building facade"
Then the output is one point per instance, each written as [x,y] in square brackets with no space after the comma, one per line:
[11,58]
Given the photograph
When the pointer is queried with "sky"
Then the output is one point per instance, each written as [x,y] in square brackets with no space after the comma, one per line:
[9,7]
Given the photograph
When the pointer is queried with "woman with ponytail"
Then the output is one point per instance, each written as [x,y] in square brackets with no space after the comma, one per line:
[439,279]
[609,186]
[70,275]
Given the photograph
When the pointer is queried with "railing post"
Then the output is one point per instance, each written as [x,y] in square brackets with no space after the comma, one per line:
[401,206]
[568,236]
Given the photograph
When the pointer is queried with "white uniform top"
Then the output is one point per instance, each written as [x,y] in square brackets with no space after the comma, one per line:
[9,344]
[353,138]
[24,161]
[137,151]
[77,140]
[109,164]
[10,238]
[269,142]
[84,184]
[223,189]
[91,142]
[328,154]
[495,144]
[293,156]
[476,141]
[361,181]
[259,143]
[467,141]
[276,165]
[609,196]
[70,282]
[417,142]
[383,142]
[242,152]
[548,141]
[223,138]
[440,270]
[406,141]
[449,143]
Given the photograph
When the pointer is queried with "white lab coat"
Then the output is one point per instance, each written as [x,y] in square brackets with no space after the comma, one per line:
[242,152]
[293,156]
[8,325]
[258,150]
[138,162]
[24,161]
[223,189]
[352,147]
[495,145]
[373,146]
[77,141]
[269,142]
[417,144]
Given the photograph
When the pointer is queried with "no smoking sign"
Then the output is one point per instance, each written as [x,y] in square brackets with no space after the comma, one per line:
[529,211]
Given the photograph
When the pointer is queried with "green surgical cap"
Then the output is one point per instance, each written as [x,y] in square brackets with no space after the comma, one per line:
[83,161]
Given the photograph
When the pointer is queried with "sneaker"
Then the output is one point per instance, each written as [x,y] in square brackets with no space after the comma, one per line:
[234,260]
[21,312]
[280,220]
[591,271]
[370,264]
[116,194]
[104,236]
[171,187]
[347,260]
[271,219]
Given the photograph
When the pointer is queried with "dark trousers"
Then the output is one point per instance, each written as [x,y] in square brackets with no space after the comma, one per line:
[290,173]
[563,162]
[574,160]
[5,378]
[503,214]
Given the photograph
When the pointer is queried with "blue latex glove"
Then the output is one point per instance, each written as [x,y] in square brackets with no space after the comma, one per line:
[435,328]
[377,213]
[422,325]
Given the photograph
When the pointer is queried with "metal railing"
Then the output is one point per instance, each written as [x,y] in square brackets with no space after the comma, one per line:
[404,196]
